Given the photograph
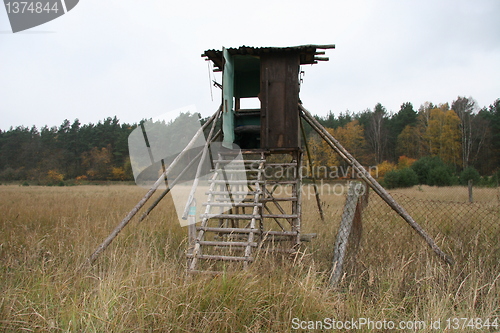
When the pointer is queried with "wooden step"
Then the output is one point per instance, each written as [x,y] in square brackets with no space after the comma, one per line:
[215,257]
[228,230]
[235,170]
[281,164]
[233,193]
[242,161]
[242,152]
[280,216]
[246,200]
[279,233]
[220,243]
[232,204]
[272,182]
[230,216]
[246,231]
[307,237]
[278,199]
[236,182]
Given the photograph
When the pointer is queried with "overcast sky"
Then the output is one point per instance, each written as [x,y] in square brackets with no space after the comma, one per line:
[139,59]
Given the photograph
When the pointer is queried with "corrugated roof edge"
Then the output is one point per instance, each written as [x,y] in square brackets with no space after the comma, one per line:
[309,50]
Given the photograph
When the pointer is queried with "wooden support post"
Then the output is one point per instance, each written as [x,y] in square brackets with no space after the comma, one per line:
[298,195]
[365,175]
[471,199]
[344,232]
[192,227]
[357,223]
[316,193]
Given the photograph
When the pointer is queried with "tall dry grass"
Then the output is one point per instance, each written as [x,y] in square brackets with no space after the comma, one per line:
[139,284]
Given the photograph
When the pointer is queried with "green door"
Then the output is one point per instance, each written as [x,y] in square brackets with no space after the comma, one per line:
[227,100]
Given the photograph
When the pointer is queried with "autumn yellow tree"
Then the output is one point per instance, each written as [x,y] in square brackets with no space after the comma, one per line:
[382,169]
[409,142]
[98,163]
[54,176]
[405,162]
[322,154]
[443,135]
[350,136]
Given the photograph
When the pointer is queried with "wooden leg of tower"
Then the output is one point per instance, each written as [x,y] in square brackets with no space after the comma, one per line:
[191,240]
[298,195]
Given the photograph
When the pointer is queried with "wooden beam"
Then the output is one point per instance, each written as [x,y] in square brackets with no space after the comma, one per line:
[365,175]
[344,233]
[309,159]
[327,46]
[149,194]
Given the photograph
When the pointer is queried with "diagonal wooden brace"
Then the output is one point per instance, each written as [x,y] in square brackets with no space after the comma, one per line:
[365,175]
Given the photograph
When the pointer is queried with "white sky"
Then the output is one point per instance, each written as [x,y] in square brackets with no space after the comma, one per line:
[139,59]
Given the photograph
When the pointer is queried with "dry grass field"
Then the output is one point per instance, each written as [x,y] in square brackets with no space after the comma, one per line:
[139,283]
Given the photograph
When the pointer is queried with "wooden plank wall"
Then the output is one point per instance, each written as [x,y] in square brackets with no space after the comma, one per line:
[279,100]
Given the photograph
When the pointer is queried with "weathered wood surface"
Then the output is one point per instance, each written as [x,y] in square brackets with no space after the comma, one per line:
[279,93]
[308,152]
[344,232]
[471,197]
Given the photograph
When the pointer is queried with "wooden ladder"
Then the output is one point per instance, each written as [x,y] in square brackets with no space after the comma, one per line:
[245,214]
[282,212]
[234,236]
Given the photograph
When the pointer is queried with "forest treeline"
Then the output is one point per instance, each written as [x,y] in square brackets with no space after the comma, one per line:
[460,139]
[461,135]
[70,151]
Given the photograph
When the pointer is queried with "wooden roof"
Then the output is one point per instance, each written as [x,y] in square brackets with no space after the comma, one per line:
[308,53]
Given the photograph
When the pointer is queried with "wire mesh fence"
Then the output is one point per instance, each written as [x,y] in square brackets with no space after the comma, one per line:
[462,229]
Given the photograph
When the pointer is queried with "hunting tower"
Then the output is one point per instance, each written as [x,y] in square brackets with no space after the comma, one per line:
[252,198]
[268,212]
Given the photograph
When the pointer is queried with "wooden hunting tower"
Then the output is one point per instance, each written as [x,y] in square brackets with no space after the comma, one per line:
[242,216]
[270,74]
[252,199]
